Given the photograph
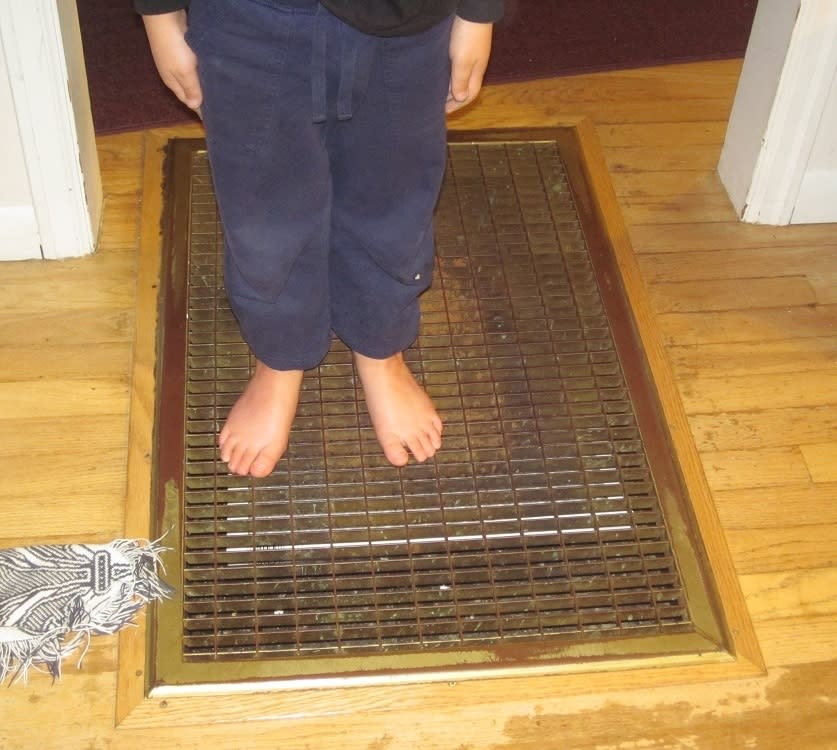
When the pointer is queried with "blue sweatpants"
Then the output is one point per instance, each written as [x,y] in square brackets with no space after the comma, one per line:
[327,149]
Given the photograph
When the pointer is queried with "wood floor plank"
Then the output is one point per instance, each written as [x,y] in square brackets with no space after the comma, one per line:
[740,263]
[511,110]
[638,185]
[725,235]
[662,135]
[83,327]
[763,324]
[681,157]
[120,225]
[120,158]
[811,592]
[786,548]
[676,723]
[821,458]
[39,438]
[732,294]
[770,467]
[764,428]
[754,358]
[753,508]
[825,285]
[51,361]
[103,281]
[90,512]
[805,639]
[72,715]
[779,390]
[673,209]
[64,398]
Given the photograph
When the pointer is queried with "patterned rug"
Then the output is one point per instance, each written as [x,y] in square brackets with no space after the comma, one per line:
[53,598]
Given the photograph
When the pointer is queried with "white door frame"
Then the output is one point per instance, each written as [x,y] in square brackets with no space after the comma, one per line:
[788,75]
[56,131]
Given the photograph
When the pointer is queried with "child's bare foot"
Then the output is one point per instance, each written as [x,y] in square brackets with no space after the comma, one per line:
[402,413]
[256,433]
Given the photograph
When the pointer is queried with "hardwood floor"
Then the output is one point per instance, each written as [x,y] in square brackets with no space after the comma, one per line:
[747,315]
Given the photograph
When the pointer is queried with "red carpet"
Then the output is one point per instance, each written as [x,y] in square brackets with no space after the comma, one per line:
[537,39]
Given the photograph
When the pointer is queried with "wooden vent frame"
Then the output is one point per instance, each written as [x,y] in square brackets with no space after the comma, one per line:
[738,656]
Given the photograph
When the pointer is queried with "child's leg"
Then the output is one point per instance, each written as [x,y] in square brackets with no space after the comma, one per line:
[387,167]
[270,170]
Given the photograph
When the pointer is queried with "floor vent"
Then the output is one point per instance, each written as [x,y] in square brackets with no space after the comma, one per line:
[551,529]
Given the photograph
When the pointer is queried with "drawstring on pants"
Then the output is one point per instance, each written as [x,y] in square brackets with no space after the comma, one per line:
[355,59]
[348,64]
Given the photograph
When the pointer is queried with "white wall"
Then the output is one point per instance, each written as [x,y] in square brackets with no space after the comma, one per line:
[18,226]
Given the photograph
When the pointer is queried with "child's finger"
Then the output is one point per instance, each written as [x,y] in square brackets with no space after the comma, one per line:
[185,87]
[459,79]
[462,93]
[193,96]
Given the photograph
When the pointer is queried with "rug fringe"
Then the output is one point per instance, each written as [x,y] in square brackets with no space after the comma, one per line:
[54,598]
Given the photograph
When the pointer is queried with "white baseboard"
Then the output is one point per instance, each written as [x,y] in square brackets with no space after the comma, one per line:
[19,238]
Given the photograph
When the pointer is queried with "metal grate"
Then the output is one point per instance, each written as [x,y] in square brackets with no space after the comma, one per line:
[538,519]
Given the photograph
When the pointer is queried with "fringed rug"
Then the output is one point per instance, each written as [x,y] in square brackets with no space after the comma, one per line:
[53,598]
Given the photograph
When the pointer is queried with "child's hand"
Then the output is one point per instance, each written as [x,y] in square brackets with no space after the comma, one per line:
[470,47]
[175,61]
